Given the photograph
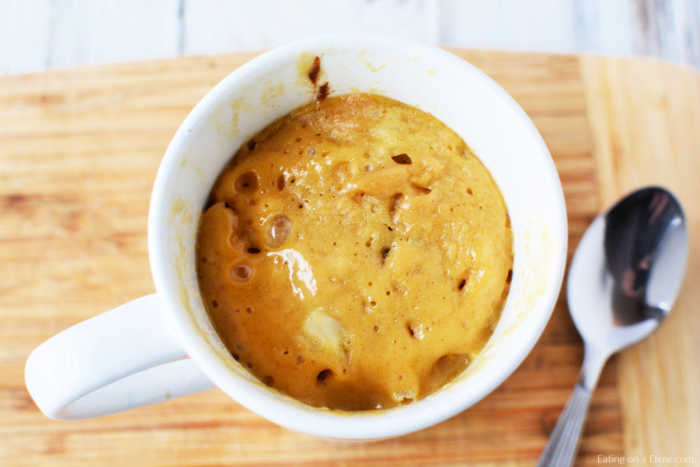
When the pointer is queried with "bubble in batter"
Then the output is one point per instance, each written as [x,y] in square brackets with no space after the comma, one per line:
[241,272]
[247,182]
[278,230]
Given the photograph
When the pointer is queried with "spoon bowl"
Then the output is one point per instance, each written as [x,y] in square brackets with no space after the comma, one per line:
[628,269]
[623,280]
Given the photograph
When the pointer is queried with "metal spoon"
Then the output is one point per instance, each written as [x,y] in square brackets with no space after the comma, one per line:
[623,280]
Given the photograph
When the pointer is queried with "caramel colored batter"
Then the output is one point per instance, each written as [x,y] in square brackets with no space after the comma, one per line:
[355,254]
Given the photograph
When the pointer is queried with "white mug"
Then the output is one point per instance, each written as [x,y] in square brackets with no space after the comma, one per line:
[163,345]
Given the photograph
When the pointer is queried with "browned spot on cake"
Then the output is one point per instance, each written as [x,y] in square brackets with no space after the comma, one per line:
[315,70]
[402,159]
[323,91]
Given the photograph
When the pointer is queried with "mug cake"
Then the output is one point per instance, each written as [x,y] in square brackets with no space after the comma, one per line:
[355,254]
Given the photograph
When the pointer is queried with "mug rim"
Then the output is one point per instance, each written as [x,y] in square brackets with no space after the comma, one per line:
[296,415]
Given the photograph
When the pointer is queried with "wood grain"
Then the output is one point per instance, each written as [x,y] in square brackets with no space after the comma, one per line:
[37,35]
[645,120]
[78,154]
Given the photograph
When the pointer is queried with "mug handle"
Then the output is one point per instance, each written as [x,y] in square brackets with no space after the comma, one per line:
[116,361]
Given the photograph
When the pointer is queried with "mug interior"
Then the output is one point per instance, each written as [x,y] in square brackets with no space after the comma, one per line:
[466,100]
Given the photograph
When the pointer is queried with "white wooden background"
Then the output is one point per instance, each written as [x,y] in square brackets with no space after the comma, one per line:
[40,34]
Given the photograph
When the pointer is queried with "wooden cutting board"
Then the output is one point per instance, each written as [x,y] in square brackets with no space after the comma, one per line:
[79,151]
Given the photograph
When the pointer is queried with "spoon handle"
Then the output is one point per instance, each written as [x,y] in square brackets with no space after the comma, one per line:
[563,442]
[562,445]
